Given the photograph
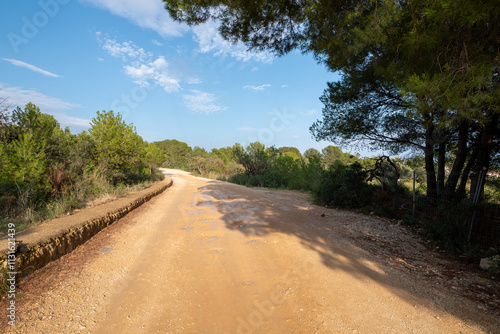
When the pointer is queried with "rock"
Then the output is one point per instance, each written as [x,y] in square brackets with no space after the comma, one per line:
[491,264]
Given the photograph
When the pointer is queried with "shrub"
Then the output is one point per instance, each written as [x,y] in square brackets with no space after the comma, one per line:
[343,186]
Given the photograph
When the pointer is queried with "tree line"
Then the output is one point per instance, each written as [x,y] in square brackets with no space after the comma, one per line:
[287,168]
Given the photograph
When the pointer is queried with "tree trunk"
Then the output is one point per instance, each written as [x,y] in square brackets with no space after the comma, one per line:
[458,165]
[460,193]
[429,163]
[441,169]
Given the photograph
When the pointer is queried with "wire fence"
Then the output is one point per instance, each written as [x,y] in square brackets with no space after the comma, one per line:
[467,220]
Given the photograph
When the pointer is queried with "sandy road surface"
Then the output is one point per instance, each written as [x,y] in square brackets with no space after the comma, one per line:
[212,257]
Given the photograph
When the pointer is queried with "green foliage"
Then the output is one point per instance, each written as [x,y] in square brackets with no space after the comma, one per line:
[154,156]
[118,149]
[292,152]
[410,165]
[312,153]
[255,159]
[331,154]
[26,160]
[176,153]
[3,163]
[343,186]
[226,154]
[46,171]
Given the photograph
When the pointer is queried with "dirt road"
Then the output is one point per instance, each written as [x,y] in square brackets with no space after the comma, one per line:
[211,257]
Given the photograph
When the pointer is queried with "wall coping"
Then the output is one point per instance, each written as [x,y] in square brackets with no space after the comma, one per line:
[42,243]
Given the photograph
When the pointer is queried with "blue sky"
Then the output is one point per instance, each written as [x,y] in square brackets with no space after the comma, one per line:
[74,57]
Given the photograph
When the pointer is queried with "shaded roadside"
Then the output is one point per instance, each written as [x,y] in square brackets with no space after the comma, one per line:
[350,242]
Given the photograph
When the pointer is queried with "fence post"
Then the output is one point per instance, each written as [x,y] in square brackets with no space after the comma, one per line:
[482,175]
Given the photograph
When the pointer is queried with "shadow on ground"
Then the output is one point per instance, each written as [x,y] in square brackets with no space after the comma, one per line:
[255,212]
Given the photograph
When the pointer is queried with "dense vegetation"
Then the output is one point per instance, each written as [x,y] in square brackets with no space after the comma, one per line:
[333,177]
[46,171]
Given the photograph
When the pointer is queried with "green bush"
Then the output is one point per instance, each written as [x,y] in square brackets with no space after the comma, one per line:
[343,186]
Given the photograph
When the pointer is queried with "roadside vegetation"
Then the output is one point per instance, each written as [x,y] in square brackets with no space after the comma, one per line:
[46,171]
[379,186]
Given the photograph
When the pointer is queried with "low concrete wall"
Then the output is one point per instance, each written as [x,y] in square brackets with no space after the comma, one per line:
[46,242]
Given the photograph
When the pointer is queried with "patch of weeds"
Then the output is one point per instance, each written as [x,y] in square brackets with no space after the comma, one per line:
[4,284]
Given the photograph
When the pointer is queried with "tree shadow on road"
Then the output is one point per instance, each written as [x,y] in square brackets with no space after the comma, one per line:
[258,213]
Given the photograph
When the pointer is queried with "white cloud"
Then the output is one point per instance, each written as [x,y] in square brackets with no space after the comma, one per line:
[124,50]
[153,72]
[284,86]
[66,120]
[209,40]
[141,66]
[257,88]
[19,97]
[155,42]
[202,102]
[149,14]
[30,67]
[194,81]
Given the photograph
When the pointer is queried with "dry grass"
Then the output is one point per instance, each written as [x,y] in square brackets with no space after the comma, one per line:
[104,198]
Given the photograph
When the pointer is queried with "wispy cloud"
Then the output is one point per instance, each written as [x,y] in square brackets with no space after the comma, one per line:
[20,97]
[126,50]
[257,88]
[209,40]
[194,81]
[157,43]
[31,67]
[140,64]
[17,96]
[202,102]
[149,14]
[67,120]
